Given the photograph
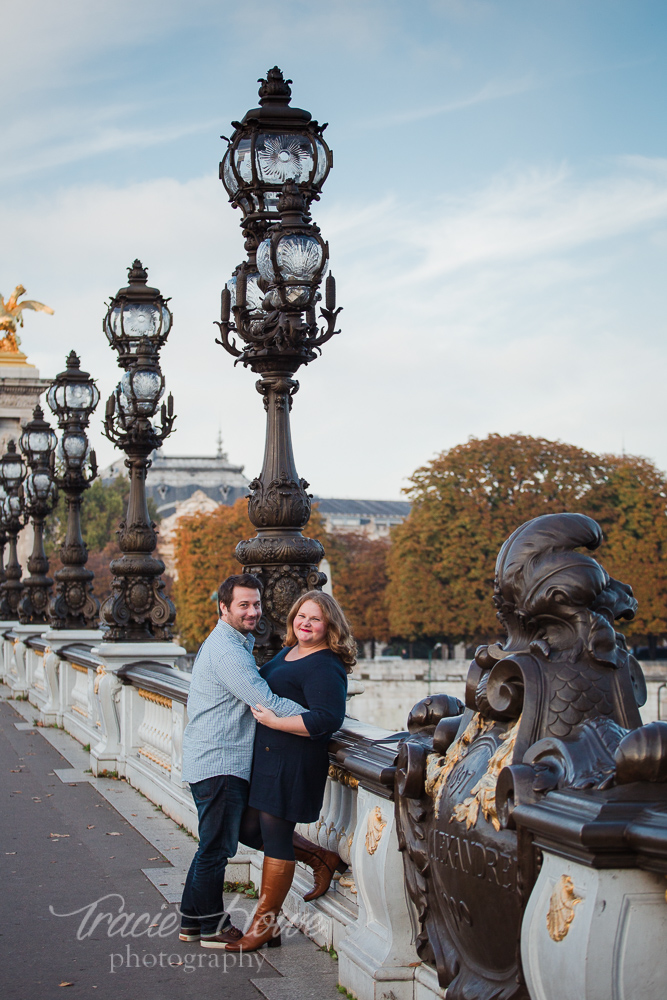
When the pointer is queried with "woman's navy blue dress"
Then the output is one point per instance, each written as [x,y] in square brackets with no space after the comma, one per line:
[289,772]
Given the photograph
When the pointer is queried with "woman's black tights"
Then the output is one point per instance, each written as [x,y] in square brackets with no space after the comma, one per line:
[267,833]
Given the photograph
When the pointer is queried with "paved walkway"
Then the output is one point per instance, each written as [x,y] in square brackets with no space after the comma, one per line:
[91,872]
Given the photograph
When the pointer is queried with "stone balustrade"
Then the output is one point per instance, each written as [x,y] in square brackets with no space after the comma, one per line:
[129,705]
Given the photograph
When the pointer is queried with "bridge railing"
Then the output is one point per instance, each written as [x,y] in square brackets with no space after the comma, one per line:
[133,716]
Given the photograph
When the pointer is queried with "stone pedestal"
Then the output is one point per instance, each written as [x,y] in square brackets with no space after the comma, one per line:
[377,959]
[18,679]
[614,942]
[57,639]
[20,389]
[595,923]
[109,753]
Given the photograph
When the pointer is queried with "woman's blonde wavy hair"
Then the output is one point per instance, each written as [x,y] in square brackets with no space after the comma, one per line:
[339,634]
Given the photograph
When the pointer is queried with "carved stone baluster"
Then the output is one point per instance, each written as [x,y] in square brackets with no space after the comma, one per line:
[105,755]
[52,710]
[347,820]
[334,815]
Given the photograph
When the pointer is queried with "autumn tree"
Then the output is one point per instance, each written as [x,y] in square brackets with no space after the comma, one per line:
[631,507]
[359,579]
[204,550]
[468,500]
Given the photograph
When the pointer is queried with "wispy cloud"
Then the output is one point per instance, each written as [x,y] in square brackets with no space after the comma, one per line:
[494,90]
[508,308]
[38,152]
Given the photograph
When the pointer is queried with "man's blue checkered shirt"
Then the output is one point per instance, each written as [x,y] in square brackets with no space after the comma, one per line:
[220,733]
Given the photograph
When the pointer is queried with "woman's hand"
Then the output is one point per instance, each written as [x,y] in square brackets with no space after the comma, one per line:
[292,724]
[265,716]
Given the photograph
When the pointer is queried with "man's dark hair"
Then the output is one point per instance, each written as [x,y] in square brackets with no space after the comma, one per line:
[226,588]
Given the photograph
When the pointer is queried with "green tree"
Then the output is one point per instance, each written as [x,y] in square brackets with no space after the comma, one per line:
[103,508]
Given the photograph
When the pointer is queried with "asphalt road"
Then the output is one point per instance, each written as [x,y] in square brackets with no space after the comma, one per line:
[79,919]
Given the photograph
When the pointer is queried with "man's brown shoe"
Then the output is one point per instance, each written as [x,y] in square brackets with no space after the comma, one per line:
[222,938]
[189,934]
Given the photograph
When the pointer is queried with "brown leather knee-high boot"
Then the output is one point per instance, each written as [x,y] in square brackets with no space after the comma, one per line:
[277,878]
[324,863]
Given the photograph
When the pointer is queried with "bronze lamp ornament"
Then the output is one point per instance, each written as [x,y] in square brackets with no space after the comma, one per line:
[12,474]
[137,324]
[73,398]
[274,168]
[39,496]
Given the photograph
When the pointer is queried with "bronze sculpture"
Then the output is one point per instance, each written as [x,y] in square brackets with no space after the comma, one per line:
[552,710]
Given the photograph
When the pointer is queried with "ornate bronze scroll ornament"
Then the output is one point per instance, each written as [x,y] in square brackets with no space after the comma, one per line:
[553,707]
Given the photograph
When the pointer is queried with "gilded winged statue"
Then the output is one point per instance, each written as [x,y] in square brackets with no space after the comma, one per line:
[11,316]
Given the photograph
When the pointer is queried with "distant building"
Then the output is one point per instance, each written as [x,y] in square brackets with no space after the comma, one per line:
[373,518]
[172,480]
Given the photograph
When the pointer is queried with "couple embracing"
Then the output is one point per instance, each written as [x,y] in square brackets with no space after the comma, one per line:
[255,752]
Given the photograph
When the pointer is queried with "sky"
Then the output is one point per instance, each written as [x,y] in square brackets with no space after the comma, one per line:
[496,215]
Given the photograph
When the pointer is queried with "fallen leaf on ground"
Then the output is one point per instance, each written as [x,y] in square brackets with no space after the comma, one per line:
[114,834]
[65,984]
[59,835]
[133,814]
[17,791]
[153,859]
[160,883]
[91,826]
[15,770]
[10,852]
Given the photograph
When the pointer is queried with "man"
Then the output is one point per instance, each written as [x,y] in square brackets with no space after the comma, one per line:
[217,753]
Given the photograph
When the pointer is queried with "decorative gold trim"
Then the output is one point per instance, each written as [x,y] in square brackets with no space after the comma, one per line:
[79,711]
[561,908]
[79,669]
[342,776]
[374,827]
[347,882]
[483,793]
[159,699]
[100,672]
[154,757]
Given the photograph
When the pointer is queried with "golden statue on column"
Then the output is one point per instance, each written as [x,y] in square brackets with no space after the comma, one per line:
[11,317]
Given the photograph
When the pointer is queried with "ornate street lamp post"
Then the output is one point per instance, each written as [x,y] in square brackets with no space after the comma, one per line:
[137,324]
[38,444]
[274,167]
[3,545]
[12,474]
[72,398]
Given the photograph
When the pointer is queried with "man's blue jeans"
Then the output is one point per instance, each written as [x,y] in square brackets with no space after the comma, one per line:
[220,802]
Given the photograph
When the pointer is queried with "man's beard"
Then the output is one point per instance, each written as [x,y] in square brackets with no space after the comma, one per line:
[241,626]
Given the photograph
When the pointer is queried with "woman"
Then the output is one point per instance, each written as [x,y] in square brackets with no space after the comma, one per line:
[291,757]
